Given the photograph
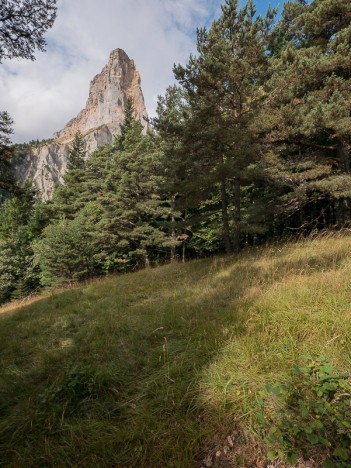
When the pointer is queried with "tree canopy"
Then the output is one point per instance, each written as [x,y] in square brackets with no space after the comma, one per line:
[22,27]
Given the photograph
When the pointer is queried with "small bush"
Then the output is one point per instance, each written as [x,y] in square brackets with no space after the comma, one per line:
[309,414]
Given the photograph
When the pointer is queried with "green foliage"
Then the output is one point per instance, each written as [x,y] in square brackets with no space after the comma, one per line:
[310,412]
[253,143]
[209,118]
[77,152]
[116,203]
[23,24]
[18,273]
[306,118]
[72,392]
[128,123]
[8,184]
[64,253]
[21,220]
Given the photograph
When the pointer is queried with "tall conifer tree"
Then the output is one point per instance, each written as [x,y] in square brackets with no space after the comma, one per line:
[8,184]
[307,117]
[223,91]
[77,153]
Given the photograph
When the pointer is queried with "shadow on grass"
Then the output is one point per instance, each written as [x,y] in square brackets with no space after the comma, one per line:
[108,375]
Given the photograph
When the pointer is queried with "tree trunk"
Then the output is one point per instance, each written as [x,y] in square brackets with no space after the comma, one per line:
[324,219]
[183,252]
[333,214]
[344,155]
[173,232]
[225,219]
[173,248]
[341,213]
[237,216]
[146,260]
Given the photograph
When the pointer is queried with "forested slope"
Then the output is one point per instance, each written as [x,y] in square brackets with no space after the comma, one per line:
[252,144]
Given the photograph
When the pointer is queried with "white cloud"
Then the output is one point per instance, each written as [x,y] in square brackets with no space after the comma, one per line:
[42,96]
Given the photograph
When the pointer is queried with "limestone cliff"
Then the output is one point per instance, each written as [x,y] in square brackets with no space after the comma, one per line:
[99,122]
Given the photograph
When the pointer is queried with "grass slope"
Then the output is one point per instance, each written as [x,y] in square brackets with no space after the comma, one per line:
[159,367]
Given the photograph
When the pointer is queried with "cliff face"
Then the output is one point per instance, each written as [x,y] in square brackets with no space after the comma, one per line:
[109,91]
[98,122]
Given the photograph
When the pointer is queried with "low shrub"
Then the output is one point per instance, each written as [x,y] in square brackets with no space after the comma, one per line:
[309,414]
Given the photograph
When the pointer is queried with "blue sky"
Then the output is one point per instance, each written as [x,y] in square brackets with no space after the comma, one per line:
[43,95]
[262,5]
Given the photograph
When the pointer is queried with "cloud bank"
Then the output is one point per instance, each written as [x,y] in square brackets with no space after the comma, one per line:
[42,96]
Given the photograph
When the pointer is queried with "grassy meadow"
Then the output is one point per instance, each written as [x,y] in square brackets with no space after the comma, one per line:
[162,368]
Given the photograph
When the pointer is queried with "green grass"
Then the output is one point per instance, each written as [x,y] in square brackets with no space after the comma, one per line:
[158,368]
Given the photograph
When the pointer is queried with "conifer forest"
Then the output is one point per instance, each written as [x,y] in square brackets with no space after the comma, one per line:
[251,145]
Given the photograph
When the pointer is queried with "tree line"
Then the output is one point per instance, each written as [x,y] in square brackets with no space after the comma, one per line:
[252,144]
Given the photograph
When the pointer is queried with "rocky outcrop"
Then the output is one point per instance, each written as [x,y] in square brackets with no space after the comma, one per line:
[109,91]
[98,122]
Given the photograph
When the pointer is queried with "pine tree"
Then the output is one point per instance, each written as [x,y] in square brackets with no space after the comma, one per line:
[8,185]
[170,124]
[22,26]
[223,90]
[20,223]
[307,116]
[64,253]
[77,153]
[134,208]
[128,122]
[68,198]
[6,129]
[114,210]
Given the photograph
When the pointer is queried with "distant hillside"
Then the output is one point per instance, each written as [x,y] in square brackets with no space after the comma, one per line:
[167,367]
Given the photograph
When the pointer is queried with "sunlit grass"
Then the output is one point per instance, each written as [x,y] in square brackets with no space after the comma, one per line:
[159,367]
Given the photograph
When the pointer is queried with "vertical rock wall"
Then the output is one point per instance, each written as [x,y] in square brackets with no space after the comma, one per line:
[98,122]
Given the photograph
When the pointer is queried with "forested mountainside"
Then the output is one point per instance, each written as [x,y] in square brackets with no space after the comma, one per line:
[252,144]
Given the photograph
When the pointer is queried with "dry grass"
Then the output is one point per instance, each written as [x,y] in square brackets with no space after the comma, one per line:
[14,306]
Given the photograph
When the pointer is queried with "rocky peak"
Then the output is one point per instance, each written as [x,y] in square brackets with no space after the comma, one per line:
[99,122]
[109,91]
